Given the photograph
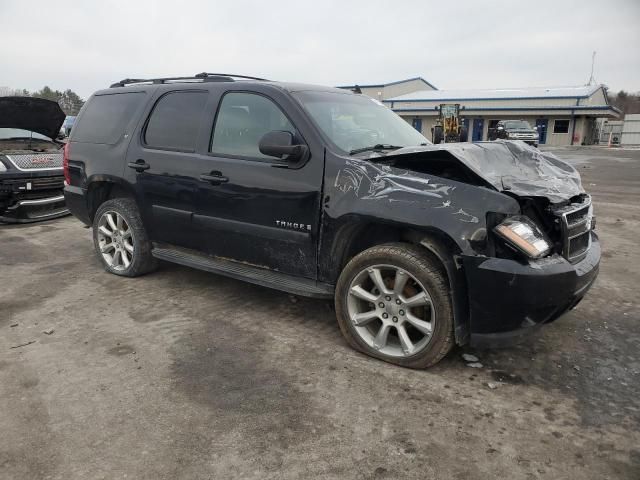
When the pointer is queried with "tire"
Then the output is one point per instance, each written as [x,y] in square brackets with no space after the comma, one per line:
[438,135]
[421,271]
[129,239]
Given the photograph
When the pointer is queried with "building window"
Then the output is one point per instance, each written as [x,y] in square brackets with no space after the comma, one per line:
[561,126]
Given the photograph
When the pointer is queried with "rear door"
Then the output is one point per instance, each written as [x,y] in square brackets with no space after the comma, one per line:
[256,209]
[163,165]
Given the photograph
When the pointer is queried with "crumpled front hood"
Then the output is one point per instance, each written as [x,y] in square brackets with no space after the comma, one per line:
[34,114]
[512,166]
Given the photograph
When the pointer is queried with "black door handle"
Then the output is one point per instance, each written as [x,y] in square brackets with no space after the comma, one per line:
[214,178]
[139,165]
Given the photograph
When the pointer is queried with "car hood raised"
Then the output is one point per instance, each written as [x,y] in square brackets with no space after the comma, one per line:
[34,114]
[512,166]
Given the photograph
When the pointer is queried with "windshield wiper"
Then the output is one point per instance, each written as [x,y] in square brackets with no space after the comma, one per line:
[373,148]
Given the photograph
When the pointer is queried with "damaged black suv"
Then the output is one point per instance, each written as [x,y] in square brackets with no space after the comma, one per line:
[31,178]
[327,193]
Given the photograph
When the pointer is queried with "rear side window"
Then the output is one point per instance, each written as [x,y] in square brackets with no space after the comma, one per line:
[175,121]
[242,120]
[105,117]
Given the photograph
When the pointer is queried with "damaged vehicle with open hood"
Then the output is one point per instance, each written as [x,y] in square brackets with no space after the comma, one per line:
[327,193]
[31,178]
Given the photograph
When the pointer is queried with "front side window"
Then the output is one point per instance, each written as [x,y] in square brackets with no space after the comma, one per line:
[353,122]
[175,121]
[561,126]
[243,119]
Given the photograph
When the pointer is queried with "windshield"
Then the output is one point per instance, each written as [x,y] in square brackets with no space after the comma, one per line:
[7,133]
[353,121]
[517,125]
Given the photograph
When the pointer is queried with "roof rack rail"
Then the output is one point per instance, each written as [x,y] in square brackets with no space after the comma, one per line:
[203,77]
[232,75]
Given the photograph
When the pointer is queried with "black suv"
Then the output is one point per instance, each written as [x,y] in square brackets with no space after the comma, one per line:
[326,193]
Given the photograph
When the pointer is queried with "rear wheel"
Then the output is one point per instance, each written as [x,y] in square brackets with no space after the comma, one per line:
[393,303]
[120,239]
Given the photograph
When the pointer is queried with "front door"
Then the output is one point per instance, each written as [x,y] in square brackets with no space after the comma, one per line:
[164,169]
[478,129]
[541,127]
[258,209]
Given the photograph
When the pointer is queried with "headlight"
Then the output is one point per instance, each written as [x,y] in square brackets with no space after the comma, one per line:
[523,234]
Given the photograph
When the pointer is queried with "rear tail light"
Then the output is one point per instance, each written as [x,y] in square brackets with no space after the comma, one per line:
[65,164]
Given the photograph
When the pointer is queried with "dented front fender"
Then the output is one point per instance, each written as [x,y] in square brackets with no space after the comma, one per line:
[383,193]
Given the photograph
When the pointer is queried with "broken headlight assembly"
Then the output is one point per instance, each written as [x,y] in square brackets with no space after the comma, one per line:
[520,233]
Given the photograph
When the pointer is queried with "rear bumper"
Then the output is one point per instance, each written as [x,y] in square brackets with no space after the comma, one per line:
[76,200]
[508,301]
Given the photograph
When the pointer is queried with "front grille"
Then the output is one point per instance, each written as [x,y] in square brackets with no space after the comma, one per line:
[36,161]
[579,245]
[576,220]
[528,136]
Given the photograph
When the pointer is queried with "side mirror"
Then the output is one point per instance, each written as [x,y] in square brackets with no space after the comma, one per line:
[500,128]
[279,144]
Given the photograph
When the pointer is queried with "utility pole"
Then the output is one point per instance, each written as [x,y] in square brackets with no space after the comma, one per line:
[592,81]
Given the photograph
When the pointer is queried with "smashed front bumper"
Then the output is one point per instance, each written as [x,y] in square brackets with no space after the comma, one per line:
[509,300]
[25,199]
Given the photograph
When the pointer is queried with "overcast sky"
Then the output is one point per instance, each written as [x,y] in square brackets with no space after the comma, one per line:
[86,45]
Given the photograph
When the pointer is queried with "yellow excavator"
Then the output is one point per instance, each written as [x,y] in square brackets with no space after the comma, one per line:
[449,127]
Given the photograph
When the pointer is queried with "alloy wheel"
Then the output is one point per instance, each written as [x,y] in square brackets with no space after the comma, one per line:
[391,311]
[115,240]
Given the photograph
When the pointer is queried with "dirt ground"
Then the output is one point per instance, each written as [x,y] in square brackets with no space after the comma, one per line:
[187,375]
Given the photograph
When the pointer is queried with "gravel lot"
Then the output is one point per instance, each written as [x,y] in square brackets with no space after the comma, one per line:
[187,375]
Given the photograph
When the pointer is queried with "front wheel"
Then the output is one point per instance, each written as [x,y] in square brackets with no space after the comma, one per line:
[120,239]
[393,303]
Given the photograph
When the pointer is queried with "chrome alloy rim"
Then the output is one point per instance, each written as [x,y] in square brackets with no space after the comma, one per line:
[392,312]
[115,240]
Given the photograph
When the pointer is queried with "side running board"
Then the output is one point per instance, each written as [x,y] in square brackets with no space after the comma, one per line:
[259,276]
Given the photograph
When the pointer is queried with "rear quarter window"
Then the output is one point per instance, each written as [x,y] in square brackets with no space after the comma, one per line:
[106,117]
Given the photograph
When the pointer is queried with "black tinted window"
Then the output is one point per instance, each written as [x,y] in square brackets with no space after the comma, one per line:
[242,120]
[105,117]
[175,121]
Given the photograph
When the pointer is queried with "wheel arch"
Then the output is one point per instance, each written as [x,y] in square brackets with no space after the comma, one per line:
[355,237]
[103,188]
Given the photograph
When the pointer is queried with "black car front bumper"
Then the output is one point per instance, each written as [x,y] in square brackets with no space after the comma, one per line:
[31,197]
[509,300]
